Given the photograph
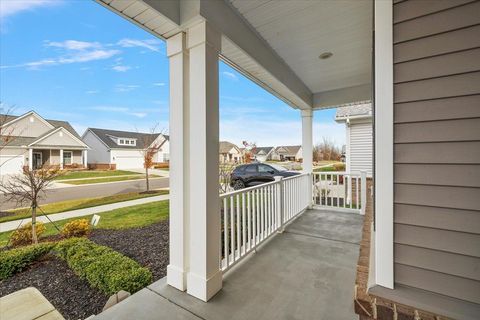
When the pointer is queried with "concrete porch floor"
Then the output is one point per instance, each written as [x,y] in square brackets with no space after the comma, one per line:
[307,272]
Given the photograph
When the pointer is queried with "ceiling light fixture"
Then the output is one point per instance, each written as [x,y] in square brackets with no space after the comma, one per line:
[325,55]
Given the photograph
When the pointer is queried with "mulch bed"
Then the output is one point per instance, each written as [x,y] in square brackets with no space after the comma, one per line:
[72,296]
[146,245]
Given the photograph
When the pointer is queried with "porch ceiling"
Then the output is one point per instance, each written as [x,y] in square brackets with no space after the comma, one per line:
[299,31]
[277,43]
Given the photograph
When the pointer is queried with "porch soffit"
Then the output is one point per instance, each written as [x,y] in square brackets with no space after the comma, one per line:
[277,44]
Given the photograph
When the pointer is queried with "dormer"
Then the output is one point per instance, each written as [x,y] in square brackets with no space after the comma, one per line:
[122,141]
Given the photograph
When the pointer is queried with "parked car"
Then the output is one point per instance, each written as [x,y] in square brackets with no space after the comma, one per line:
[248,175]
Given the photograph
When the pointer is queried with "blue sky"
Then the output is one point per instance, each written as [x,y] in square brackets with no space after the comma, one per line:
[77,61]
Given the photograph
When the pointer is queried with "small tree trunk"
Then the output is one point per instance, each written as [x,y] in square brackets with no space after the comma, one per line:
[147,180]
[34,224]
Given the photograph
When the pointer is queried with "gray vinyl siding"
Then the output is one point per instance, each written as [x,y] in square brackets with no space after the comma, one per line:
[437,146]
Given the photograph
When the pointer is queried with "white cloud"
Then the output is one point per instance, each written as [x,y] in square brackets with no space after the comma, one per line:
[92,91]
[73,45]
[121,68]
[139,114]
[73,51]
[12,7]
[159,84]
[151,44]
[230,75]
[125,87]
[122,110]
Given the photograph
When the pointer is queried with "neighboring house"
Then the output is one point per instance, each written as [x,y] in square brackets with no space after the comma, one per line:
[359,133]
[123,149]
[288,153]
[229,152]
[37,142]
[264,153]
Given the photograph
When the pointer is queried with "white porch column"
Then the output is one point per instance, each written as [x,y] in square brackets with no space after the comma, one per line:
[179,160]
[30,159]
[61,159]
[85,158]
[204,277]
[307,145]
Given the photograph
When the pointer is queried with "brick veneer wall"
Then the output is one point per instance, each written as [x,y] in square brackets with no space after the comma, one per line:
[370,307]
[102,166]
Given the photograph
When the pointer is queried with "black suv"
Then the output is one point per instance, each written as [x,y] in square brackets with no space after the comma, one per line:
[248,175]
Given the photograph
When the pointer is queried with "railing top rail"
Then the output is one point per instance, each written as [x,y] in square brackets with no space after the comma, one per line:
[232,193]
[354,174]
[296,176]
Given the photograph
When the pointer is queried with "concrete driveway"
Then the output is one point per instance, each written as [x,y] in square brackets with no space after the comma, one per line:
[92,190]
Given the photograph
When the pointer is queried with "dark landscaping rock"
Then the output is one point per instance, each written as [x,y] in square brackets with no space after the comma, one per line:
[70,295]
[146,245]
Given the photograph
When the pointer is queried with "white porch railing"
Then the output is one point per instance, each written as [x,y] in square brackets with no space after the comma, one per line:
[340,190]
[252,215]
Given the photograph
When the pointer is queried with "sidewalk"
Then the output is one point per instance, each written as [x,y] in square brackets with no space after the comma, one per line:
[160,172]
[12,225]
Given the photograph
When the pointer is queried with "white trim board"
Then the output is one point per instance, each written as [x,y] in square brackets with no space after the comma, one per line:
[54,131]
[384,272]
[48,124]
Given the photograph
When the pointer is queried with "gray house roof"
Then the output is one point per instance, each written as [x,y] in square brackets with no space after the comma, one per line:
[263,150]
[22,141]
[290,150]
[144,140]
[226,146]
[356,109]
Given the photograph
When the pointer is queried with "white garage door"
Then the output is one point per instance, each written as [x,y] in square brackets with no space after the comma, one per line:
[11,164]
[129,162]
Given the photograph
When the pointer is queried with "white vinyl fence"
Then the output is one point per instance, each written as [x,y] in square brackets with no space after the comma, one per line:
[252,215]
[340,190]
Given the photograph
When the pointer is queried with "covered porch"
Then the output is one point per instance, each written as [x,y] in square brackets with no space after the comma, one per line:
[210,234]
[306,272]
[62,158]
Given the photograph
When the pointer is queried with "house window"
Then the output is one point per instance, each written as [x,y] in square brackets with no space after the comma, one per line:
[127,142]
[67,157]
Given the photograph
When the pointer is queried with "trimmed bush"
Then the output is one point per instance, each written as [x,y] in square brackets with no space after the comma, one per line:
[76,228]
[102,267]
[23,235]
[15,260]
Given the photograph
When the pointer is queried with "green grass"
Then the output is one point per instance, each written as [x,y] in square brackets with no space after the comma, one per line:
[324,169]
[94,174]
[63,206]
[108,179]
[129,217]
[325,162]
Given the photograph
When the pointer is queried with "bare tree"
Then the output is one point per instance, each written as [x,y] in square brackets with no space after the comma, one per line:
[225,173]
[326,150]
[6,133]
[29,188]
[151,146]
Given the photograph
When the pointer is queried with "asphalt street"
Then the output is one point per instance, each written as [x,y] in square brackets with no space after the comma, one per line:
[90,191]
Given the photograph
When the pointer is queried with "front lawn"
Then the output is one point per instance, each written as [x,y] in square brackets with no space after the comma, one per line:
[94,174]
[69,205]
[129,217]
[107,179]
